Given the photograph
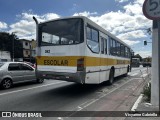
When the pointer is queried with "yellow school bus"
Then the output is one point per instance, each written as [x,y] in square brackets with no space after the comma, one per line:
[78,50]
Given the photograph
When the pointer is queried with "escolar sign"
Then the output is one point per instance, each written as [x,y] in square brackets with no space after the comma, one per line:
[151,9]
[56,62]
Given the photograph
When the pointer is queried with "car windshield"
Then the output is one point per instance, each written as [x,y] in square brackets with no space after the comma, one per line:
[1,64]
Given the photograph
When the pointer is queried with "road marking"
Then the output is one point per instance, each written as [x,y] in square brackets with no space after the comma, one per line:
[137,102]
[134,74]
[30,88]
[144,75]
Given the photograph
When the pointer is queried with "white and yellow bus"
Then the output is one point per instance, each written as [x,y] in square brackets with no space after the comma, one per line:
[78,50]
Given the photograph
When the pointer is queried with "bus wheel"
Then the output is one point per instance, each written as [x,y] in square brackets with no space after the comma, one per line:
[111,77]
[126,74]
[40,80]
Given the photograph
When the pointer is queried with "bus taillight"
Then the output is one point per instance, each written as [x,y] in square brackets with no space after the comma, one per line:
[80,64]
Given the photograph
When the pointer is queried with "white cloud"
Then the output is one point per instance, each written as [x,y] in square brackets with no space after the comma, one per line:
[3,25]
[87,14]
[140,2]
[26,27]
[133,9]
[129,24]
[130,42]
[132,34]
[121,1]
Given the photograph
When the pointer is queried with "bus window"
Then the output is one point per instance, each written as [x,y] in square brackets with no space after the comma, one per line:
[122,51]
[94,35]
[106,46]
[92,40]
[114,48]
[62,32]
[118,49]
[129,53]
[50,39]
[126,52]
[111,46]
[89,33]
[102,45]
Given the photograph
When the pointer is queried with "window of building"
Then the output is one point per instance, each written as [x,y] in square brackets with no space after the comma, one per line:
[26,43]
[27,52]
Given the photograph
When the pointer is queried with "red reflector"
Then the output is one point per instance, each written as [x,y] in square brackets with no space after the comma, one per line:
[80,64]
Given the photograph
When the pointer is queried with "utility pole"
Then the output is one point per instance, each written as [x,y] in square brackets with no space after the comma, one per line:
[13,45]
[13,49]
[30,51]
[151,10]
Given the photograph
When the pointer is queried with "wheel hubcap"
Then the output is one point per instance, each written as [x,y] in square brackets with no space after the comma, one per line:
[7,84]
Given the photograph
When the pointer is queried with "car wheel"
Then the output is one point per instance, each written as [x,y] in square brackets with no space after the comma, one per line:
[111,77]
[40,80]
[6,83]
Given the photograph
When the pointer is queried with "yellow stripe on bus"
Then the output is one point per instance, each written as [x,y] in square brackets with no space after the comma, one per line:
[72,61]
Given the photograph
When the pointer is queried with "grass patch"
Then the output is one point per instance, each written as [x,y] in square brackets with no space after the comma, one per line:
[147,92]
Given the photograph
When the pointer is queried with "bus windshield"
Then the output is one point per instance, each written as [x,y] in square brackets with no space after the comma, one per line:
[61,32]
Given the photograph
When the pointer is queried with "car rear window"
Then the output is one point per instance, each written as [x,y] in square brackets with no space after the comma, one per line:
[13,67]
[1,64]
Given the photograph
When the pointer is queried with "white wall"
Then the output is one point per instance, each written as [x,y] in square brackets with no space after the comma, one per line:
[5,55]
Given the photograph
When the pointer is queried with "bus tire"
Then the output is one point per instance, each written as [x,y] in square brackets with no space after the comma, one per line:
[126,74]
[111,77]
[40,80]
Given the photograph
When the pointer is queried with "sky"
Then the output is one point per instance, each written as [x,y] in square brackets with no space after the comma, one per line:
[123,18]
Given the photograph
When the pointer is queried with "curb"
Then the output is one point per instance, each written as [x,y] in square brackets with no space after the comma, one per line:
[134,107]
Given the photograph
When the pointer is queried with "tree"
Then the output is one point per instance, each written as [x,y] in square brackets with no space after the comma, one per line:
[6,44]
[137,56]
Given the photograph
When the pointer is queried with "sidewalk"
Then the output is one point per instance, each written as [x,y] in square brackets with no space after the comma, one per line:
[124,98]
[118,102]
[145,107]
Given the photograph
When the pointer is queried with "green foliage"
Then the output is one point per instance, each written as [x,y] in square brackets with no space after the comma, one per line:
[6,44]
[147,92]
[137,56]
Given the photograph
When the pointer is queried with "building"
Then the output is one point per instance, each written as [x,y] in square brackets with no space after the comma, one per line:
[5,56]
[29,50]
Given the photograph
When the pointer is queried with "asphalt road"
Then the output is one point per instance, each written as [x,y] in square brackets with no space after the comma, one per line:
[54,95]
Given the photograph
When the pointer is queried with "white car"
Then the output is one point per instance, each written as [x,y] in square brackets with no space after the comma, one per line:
[16,72]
